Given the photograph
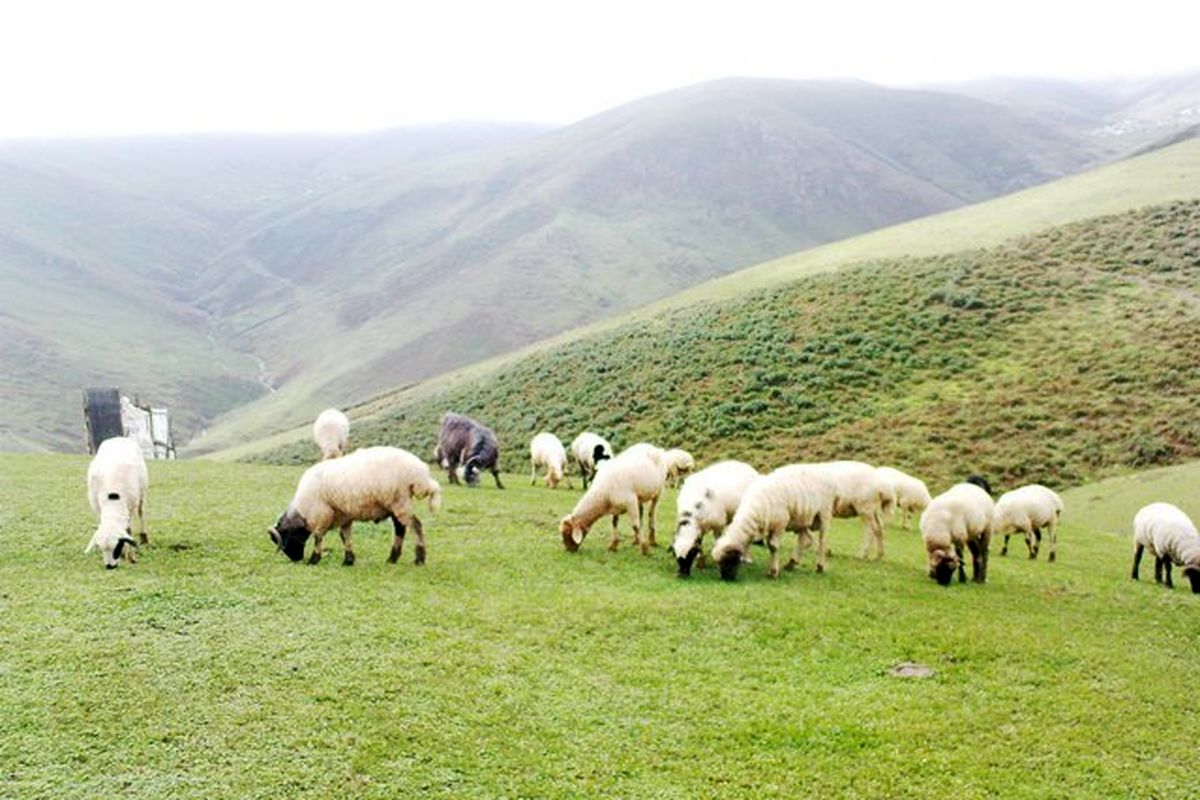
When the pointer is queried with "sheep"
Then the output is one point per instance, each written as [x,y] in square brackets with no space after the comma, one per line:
[465,448]
[546,451]
[331,432]
[371,484]
[1027,510]
[588,450]
[794,498]
[859,492]
[623,486]
[1171,538]
[707,502]
[679,463]
[961,515]
[117,481]
[911,494]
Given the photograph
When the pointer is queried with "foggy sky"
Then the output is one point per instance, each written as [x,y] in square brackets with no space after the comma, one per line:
[119,67]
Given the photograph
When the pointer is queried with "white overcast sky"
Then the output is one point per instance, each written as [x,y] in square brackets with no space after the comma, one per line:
[117,67]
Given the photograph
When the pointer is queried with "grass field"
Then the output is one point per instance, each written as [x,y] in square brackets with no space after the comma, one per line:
[507,668]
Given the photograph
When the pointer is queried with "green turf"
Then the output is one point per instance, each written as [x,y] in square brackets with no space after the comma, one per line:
[506,667]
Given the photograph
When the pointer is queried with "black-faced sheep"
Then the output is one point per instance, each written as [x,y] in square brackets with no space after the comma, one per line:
[794,498]
[546,452]
[1027,511]
[368,485]
[624,486]
[1171,537]
[331,432]
[465,448]
[117,480]
[960,516]
[706,503]
[588,450]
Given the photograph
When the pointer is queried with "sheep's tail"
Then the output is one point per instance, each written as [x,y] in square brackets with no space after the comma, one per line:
[435,495]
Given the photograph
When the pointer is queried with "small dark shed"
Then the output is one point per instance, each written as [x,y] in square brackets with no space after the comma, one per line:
[101,415]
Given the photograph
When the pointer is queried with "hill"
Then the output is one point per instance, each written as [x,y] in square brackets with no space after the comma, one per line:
[1058,357]
[306,271]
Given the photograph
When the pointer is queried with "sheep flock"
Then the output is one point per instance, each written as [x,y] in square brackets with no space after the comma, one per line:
[736,503]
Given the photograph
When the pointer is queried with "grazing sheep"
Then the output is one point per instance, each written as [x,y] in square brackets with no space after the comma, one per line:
[1027,510]
[588,450]
[793,498]
[961,515]
[466,448]
[1171,538]
[679,463]
[707,502]
[623,486]
[331,432]
[859,492]
[117,481]
[371,484]
[912,496]
[546,451]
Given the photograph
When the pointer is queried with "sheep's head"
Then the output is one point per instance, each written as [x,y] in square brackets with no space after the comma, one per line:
[469,473]
[599,453]
[942,565]
[111,543]
[687,543]
[729,562]
[1192,573]
[981,482]
[572,533]
[290,534]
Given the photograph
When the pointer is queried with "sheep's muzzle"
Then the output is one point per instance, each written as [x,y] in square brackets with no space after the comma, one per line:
[729,566]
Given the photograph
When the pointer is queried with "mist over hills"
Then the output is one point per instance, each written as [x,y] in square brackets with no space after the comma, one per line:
[276,275]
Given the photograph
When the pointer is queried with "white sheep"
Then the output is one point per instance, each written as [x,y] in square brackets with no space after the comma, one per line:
[331,432]
[117,481]
[588,450]
[960,516]
[912,496]
[706,503]
[859,492]
[546,452]
[626,483]
[678,463]
[371,484]
[793,498]
[1026,511]
[1171,537]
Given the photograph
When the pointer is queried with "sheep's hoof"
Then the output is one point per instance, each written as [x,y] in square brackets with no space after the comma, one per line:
[1004,551]
[820,568]
[143,538]
[315,558]
[1050,558]
[773,574]
[348,559]
[612,546]
[419,559]
[791,564]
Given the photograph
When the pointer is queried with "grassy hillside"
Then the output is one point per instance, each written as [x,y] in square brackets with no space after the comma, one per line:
[1060,356]
[506,667]
[422,250]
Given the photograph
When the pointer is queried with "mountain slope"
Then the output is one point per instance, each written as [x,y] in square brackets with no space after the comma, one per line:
[1056,357]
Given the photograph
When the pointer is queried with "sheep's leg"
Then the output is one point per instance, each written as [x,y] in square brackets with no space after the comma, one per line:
[865,550]
[803,540]
[640,541]
[1137,559]
[1034,543]
[1167,572]
[985,543]
[348,545]
[651,513]
[905,519]
[1004,549]
[141,509]
[533,474]
[419,532]
[773,546]
[1158,569]
[976,561]
[452,472]
[1053,540]
[317,552]
[875,523]
[962,570]
[398,530]
[496,475]
[615,540]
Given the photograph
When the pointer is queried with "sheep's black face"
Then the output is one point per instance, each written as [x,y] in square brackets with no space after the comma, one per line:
[599,454]
[685,562]
[290,534]
[981,482]
[1193,575]
[729,566]
[943,573]
[471,475]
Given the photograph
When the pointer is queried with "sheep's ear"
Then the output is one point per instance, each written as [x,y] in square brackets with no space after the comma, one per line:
[120,548]
[129,542]
[576,535]
[274,534]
